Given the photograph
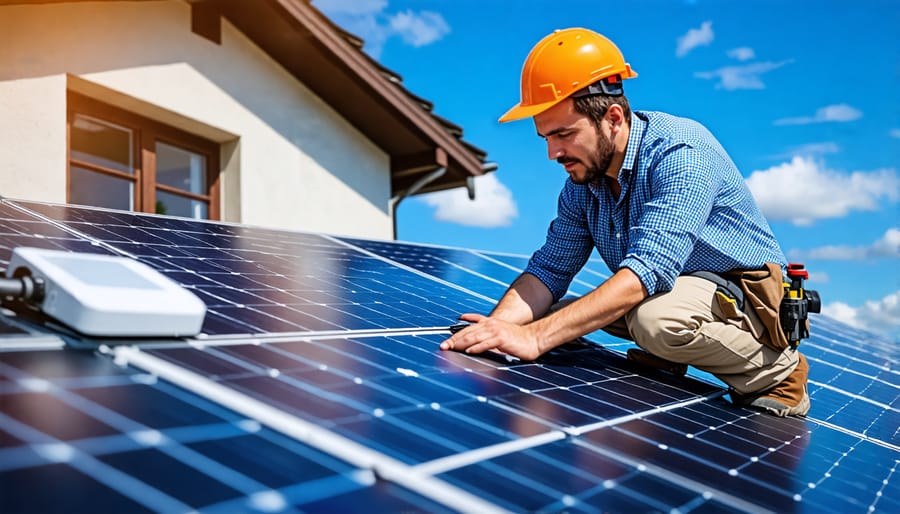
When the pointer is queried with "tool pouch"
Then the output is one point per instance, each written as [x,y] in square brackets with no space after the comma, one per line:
[763,291]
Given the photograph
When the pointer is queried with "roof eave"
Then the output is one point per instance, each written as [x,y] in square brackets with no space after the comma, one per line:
[371,98]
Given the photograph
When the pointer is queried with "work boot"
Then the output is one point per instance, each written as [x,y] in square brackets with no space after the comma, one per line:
[789,398]
[652,361]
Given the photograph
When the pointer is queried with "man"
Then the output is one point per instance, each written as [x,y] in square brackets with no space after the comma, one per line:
[662,202]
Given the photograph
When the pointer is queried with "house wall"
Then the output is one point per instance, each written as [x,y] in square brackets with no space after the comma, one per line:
[288,160]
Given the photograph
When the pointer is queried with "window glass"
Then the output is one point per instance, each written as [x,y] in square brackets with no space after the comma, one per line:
[101,143]
[123,160]
[92,188]
[174,205]
[180,168]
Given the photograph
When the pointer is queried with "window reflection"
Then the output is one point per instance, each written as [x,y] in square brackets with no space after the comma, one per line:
[102,143]
[180,168]
[92,188]
[174,205]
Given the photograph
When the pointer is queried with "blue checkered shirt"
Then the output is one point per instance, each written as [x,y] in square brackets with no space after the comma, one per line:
[683,207]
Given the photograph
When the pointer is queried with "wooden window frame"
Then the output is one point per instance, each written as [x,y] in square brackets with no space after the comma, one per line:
[146,133]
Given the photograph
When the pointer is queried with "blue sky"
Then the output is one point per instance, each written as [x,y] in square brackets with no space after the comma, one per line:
[803,96]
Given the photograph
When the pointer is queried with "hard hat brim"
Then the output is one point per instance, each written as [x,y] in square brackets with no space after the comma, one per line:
[520,111]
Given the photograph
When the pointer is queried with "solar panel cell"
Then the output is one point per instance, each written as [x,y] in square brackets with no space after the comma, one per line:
[380,498]
[71,489]
[512,491]
[512,422]
[50,415]
[559,414]
[586,401]
[148,405]
[187,483]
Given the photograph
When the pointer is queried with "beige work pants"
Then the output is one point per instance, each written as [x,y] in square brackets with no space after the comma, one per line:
[686,325]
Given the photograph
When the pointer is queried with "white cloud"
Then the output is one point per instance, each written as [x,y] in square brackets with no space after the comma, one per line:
[369,20]
[419,29]
[841,311]
[895,133]
[882,316]
[830,253]
[744,53]
[493,206]
[803,191]
[817,148]
[809,150]
[888,246]
[836,113]
[746,76]
[694,38]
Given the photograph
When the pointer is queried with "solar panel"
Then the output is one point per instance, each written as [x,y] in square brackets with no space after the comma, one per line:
[466,268]
[318,385]
[701,457]
[258,281]
[80,433]
[488,273]
[399,395]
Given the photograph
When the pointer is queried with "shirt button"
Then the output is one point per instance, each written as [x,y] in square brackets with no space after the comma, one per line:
[618,235]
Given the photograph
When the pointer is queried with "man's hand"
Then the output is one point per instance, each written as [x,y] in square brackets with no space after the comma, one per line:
[518,328]
[487,333]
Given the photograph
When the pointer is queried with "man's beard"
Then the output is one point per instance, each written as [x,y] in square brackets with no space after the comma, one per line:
[602,158]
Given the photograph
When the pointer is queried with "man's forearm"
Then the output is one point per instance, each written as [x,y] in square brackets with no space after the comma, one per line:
[519,328]
[526,300]
[613,299]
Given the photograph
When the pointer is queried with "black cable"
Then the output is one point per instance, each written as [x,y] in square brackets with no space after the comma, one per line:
[25,288]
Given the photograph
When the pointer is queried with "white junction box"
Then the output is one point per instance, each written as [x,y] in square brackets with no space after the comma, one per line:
[109,296]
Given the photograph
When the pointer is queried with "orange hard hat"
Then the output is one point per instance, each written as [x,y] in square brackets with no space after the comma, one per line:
[563,63]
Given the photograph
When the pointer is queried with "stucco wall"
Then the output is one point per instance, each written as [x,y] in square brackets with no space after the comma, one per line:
[32,136]
[290,161]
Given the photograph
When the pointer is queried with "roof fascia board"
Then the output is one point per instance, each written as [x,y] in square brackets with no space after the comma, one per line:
[206,21]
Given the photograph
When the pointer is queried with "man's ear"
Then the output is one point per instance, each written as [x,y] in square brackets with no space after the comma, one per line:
[615,116]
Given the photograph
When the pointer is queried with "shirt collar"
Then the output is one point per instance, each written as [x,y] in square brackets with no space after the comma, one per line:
[635,134]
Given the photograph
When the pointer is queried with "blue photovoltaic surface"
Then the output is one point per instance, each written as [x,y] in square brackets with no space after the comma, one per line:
[465,268]
[853,380]
[18,228]
[702,457]
[80,434]
[402,397]
[177,425]
[591,275]
[486,273]
[253,280]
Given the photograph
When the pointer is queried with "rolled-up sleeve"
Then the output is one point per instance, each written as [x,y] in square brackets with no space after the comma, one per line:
[568,245]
